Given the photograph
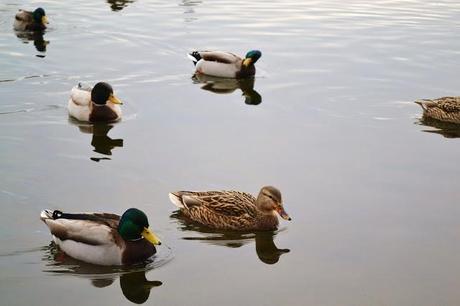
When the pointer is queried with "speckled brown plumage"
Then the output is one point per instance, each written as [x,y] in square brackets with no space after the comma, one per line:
[444,109]
[232,210]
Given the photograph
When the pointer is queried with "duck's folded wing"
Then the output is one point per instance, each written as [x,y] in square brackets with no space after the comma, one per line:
[231,203]
[93,231]
[79,96]
[220,56]
[24,16]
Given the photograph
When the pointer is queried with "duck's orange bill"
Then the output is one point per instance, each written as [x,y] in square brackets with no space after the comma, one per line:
[283,214]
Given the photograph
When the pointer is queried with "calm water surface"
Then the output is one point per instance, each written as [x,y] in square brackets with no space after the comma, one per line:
[373,193]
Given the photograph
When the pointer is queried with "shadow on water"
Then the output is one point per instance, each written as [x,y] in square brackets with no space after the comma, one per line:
[37,37]
[118,5]
[101,143]
[228,86]
[266,249]
[133,283]
[446,129]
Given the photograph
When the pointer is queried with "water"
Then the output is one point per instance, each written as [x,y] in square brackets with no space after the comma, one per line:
[329,120]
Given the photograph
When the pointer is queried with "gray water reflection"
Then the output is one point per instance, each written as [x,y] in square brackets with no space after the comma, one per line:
[133,282]
[266,249]
[446,129]
[100,141]
[118,5]
[228,86]
[38,39]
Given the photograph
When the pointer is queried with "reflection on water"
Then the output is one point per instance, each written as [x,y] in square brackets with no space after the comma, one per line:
[228,86]
[118,5]
[266,249]
[102,143]
[133,283]
[446,129]
[37,37]
[189,10]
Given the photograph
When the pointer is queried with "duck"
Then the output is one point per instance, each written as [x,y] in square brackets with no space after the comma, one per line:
[102,238]
[445,109]
[225,64]
[232,210]
[97,104]
[30,21]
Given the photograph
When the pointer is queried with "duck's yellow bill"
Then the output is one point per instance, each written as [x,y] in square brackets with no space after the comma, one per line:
[114,99]
[45,20]
[150,236]
[247,61]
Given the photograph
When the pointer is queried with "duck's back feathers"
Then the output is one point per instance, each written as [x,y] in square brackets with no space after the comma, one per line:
[232,210]
[444,109]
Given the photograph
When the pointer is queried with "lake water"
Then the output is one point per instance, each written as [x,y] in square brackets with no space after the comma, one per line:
[373,193]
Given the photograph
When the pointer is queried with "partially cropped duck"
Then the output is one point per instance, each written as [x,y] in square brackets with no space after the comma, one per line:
[103,238]
[443,109]
[30,21]
[232,210]
[225,64]
[98,104]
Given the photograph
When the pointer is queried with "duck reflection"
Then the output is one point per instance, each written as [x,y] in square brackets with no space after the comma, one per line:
[36,36]
[133,283]
[228,86]
[189,9]
[102,143]
[266,249]
[446,129]
[118,5]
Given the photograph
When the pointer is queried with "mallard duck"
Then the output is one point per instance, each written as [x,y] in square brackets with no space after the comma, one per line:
[225,64]
[443,109]
[98,104]
[102,238]
[232,210]
[30,21]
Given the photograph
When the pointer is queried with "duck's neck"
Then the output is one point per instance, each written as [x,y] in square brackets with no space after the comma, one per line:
[267,221]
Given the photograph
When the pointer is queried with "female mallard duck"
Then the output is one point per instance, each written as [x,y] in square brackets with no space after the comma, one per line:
[443,109]
[225,64]
[103,238]
[98,104]
[232,210]
[30,21]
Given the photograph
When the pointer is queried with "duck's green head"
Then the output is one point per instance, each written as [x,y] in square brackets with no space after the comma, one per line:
[103,92]
[252,57]
[40,16]
[134,225]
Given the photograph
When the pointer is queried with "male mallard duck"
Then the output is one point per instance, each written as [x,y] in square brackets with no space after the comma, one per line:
[98,104]
[443,109]
[225,64]
[232,210]
[30,21]
[102,238]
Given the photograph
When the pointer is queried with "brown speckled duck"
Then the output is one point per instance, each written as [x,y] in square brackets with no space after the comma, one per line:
[102,238]
[232,210]
[443,109]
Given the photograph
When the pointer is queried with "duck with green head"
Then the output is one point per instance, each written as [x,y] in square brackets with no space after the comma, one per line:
[30,21]
[103,238]
[97,104]
[225,64]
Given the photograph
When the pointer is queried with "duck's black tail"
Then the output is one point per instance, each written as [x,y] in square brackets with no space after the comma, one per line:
[194,56]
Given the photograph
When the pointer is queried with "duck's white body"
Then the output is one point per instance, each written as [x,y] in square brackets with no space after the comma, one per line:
[85,240]
[82,108]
